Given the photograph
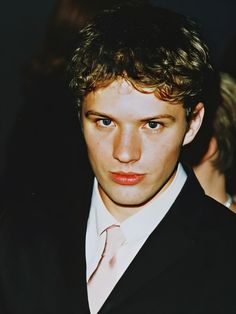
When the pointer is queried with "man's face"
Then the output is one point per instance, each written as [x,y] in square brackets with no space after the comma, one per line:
[133,140]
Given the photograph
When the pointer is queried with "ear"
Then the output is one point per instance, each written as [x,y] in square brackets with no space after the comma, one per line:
[211,151]
[195,123]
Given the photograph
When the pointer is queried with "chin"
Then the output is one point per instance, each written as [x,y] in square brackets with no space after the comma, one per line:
[130,201]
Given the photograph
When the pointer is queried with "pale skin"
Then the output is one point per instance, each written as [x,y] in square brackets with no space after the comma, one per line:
[134,141]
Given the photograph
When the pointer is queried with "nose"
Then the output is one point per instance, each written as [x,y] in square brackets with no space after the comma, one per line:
[127,146]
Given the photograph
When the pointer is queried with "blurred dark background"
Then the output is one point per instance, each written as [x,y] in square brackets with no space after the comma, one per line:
[22,26]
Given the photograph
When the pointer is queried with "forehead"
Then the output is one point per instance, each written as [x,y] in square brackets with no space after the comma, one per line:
[121,98]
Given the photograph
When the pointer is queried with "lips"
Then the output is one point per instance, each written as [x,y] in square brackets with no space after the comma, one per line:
[126,178]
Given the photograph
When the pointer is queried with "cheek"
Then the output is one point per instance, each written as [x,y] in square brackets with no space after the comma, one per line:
[91,140]
[99,143]
[171,151]
[162,154]
[98,150]
[171,145]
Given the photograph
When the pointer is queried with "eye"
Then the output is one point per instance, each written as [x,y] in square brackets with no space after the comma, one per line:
[154,125]
[104,122]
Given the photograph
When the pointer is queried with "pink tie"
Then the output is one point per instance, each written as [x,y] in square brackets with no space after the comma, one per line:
[104,278]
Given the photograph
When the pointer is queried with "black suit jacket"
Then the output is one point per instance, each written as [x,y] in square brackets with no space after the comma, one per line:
[187,265]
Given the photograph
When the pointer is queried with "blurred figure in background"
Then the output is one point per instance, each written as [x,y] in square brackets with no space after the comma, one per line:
[214,169]
[228,65]
[45,148]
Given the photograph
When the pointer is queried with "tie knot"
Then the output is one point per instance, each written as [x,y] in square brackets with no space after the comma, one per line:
[114,239]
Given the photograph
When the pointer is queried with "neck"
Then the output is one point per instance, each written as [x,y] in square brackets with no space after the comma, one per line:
[212,181]
[233,207]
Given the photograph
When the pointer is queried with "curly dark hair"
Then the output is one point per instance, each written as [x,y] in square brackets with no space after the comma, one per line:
[148,46]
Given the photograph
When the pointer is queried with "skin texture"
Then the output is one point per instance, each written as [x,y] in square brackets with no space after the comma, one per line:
[133,141]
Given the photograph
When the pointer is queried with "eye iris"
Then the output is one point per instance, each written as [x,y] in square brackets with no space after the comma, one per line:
[152,124]
[106,121]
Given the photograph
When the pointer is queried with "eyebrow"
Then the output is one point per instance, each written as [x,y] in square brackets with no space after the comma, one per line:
[160,116]
[95,113]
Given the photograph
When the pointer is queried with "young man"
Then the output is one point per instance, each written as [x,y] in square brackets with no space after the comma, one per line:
[143,237]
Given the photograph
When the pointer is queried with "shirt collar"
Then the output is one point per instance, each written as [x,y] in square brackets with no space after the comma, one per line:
[103,217]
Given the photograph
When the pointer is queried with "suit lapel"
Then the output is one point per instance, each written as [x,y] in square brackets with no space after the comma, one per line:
[170,241]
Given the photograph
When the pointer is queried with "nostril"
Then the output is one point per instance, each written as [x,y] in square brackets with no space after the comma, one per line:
[126,153]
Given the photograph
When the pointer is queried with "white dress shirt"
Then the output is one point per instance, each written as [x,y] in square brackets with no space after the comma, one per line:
[136,228]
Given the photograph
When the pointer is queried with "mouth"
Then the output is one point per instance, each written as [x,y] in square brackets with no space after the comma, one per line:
[126,178]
